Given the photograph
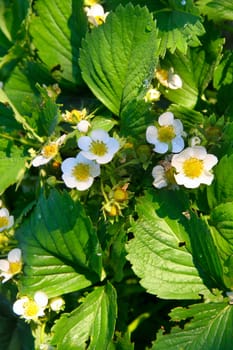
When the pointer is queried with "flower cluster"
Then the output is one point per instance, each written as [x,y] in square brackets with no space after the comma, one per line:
[97,148]
[33,308]
[189,167]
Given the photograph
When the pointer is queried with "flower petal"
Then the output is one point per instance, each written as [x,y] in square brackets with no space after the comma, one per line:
[18,306]
[166,118]
[161,147]
[100,135]
[152,134]
[210,161]
[177,144]
[41,298]
[84,143]
[40,160]
[14,255]
[4,265]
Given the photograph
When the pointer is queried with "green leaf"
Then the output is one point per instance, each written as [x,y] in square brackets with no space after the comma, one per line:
[92,323]
[222,220]
[57,30]
[178,30]
[61,252]
[15,333]
[207,326]
[223,82]
[12,165]
[183,65]
[135,118]
[160,252]
[221,190]
[217,10]
[116,70]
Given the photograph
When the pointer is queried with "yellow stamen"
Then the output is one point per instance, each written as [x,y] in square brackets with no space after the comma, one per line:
[193,167]
[4,221]
[166,133]
[15,267]
[162,76]
[31,308]
[50,150]
[81,172]
[98,148]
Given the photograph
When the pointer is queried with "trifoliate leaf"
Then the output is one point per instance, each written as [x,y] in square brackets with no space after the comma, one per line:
[216,10]
[61,252]
[178,30]
[160,252]
[92,323]
[57,30]
[119,56]
[207,326]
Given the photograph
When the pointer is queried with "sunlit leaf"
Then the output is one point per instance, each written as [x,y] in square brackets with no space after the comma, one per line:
[217,10]
[57,30]
[160,252]
[93,322]
[207,326]
[117,69]
[178,29]
[60,248]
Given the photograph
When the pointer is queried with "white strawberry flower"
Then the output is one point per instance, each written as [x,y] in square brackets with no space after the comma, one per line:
[79,172]
[99,146]
[167,136]
[31,309]
[169,79]
[193,167]
[6,220]
[12,265]
[48,152]
[96,15]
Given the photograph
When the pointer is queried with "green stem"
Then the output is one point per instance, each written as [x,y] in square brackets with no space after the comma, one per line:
[20,140]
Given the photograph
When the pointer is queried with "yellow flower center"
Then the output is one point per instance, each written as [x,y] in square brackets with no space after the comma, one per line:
[162,76]
[31,308]
[98,148]
[4,221]
[193,167]
[15,267]
[166,133]
[99,20]
[81,172]
[50,150]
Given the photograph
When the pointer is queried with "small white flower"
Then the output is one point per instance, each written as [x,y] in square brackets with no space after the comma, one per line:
[167,135]
[12,265]
[57,304]
[6,221]
[99,146]
[169,79]
[96,14]
[79,172]
[152,95]
[48,152]
[31,309]
[159,175]
[193,167]
[83,126]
